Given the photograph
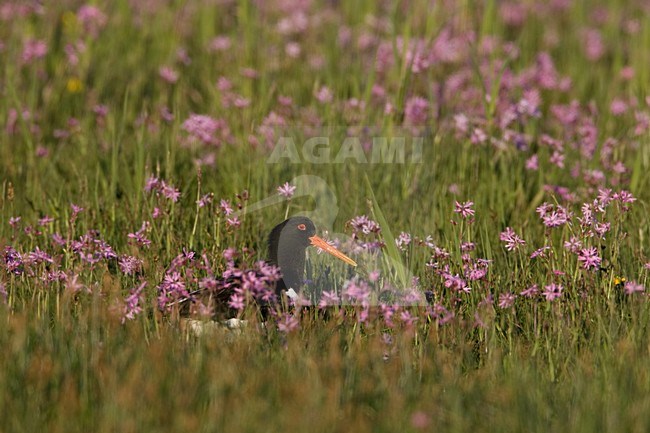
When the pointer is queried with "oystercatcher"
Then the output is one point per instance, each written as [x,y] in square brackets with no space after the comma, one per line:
[288,242]
[287,245]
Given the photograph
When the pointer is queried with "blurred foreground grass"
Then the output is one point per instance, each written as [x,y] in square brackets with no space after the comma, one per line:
[91,373]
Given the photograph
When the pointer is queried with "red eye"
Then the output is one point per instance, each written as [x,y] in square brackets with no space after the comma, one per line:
[302,227]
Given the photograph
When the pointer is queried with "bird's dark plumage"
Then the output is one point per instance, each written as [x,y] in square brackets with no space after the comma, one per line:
[286,249]
[287,244]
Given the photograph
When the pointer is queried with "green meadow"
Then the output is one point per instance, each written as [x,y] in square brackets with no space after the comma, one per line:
[486,161]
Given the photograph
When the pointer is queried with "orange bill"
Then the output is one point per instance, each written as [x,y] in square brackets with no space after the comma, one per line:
[323,245]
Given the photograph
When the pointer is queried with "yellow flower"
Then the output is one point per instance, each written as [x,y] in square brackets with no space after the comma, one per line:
[69,21]
[619,280]
[74,85]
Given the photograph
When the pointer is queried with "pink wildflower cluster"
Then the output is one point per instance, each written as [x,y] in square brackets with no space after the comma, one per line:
[365,234]
[553,216]
[133,302]
[207,130]
[160,187]
[190,279]
[511,239]
[92,19]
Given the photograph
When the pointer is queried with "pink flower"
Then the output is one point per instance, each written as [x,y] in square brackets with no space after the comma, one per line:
[556,218]
[286,101]
[241,102]
[440,314]
[287,190]
[233,222]
[403,241]
[541,252]
[604,196]
[362,315]
[454,281]
[543,209]
[601,228]
[225,206]
[511,239]
[573,244]
[461,123]
[293,23]
[205,200]
[153,183]
[76,210]
[546,74]
[364,225]
[140,237]
[92,19]
[74,286]
[249,73]
[619,168]
[161,187]
[224,84]
[324,95]
[407,319]
[168,74]
[171,289]
[220,43]
[478,136]
[589,258]
[230,254]
[59,240]
[530,292]
[166,114]
[328,299]
[288,323]
[618,107]
[292,49]
[387,313]
[170,192]
[632,287]
[132,302]
[627,73]
[476,272]
[13,221]
[532,163]
[356,291]
[45,221]
[183,57]
[129,265]
[206,129]
[594,46]
[506,300]
[557,158]
[464,209]
[416,111]
[236,302]
[513,13]
[624,197]
[33,50]
[553,291]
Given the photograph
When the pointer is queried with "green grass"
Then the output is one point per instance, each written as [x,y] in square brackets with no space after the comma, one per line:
[68,363]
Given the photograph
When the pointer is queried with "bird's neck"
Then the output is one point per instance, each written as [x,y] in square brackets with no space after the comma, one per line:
[292,266]
[293,269]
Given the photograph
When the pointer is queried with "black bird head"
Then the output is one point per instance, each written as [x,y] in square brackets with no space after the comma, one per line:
[287,244]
